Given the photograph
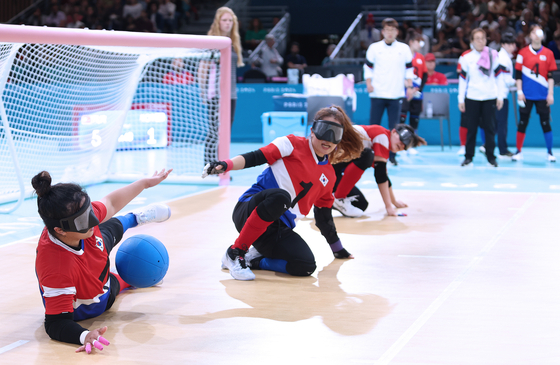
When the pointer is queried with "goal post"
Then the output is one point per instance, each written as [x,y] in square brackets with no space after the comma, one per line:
[92,106]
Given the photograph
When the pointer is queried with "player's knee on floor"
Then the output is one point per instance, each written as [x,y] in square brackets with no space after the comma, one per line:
[301,267]
[365,160]
[360,203]
[275,204]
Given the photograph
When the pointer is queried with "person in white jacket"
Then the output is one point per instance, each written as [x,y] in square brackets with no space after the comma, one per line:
[388,67]
[508,47]
[480,94]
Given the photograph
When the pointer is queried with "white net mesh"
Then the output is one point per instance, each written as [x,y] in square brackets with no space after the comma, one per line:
[89,114]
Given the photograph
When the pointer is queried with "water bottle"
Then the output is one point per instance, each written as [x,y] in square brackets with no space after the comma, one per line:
[429,110]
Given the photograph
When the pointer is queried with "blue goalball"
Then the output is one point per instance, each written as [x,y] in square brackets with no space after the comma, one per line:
[142,261]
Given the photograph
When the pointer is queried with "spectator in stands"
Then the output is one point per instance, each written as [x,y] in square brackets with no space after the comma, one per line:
[504,26]
[388,67]
[434,77]
[450,21]
[369,34]
[167,10]
[479,9]
[56,17]
[226,24]
[90,19]
[295,60]
[459,44]
[490,22]
[155,17]
[132,8]
[268,59]
[76,21]
[426,46]
[513,10]
[527,19]
[143,23]
[255,35]
[547,23]
[327,60]
[275,20]
[495,39]
[441,48]
[554,46]
[189,11]
[37,18]
[497,7]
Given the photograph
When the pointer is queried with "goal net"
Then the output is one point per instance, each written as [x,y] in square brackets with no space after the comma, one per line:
[94,106]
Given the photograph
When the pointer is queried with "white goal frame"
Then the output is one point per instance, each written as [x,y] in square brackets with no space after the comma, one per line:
[19,34]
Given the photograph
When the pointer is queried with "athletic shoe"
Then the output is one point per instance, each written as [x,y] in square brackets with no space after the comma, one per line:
[493,163]
[551,158]
[345,207]
[508,154]
[393,161]
[152,213]
[412,151]
[466,161]
[234,261]
[482,149]
[461,151]
[253,257]
[517,157]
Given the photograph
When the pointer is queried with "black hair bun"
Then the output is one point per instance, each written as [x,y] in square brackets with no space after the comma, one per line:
[42,183]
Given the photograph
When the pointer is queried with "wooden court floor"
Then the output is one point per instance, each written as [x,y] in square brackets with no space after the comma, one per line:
[465,278]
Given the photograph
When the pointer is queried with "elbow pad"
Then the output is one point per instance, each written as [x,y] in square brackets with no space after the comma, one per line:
[254,158]
[380,172]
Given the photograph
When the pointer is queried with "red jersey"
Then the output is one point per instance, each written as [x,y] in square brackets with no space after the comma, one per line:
[295,168]
[378,139]
[74,280]
[534,67]
[419,66]
[437,78]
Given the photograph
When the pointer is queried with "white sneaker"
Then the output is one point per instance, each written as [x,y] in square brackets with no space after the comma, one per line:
[517,157]
[551,158]
[237,266]
[345,207]
[482,149]
[152,213]
[461,150]
[252,253]
[412,151]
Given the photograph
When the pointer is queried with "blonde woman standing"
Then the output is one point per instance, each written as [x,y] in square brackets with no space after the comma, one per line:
[225,24]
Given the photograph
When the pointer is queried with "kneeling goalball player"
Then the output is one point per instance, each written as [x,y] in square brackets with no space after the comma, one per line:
[378,142]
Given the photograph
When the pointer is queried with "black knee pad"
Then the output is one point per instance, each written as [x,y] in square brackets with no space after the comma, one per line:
[365,160]
[301,268]
[276,203]
[523,122]
[545,124]
[414,121]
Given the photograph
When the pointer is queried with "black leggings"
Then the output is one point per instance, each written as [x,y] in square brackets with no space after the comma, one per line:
[111,232]
[543,111]
[278,241]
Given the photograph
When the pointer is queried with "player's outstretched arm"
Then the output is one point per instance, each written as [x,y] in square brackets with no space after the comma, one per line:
[219,167]
[94,339]
[117,200]
[396,203]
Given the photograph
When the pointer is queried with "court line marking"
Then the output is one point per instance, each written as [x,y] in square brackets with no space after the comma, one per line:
[401,342]
[434,257]
[12,346]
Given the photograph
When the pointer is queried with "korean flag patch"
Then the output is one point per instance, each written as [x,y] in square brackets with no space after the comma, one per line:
[323,179]
[99,243]
[542,57]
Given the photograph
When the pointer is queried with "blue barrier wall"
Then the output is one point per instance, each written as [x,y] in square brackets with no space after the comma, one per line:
[255,99]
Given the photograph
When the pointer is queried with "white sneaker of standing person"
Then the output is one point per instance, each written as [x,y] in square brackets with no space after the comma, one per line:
[482,149]
[461,151]
[551,158]
[234,261]
[517,157]
[412,151]
[345,207]
[152,213]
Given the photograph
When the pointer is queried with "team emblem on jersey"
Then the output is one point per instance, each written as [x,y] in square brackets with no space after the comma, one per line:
[419,61]
[99,243]
[542,57]
[323,179]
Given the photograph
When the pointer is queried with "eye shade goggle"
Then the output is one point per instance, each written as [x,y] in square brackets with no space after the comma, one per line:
[328,131]
[82,221]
